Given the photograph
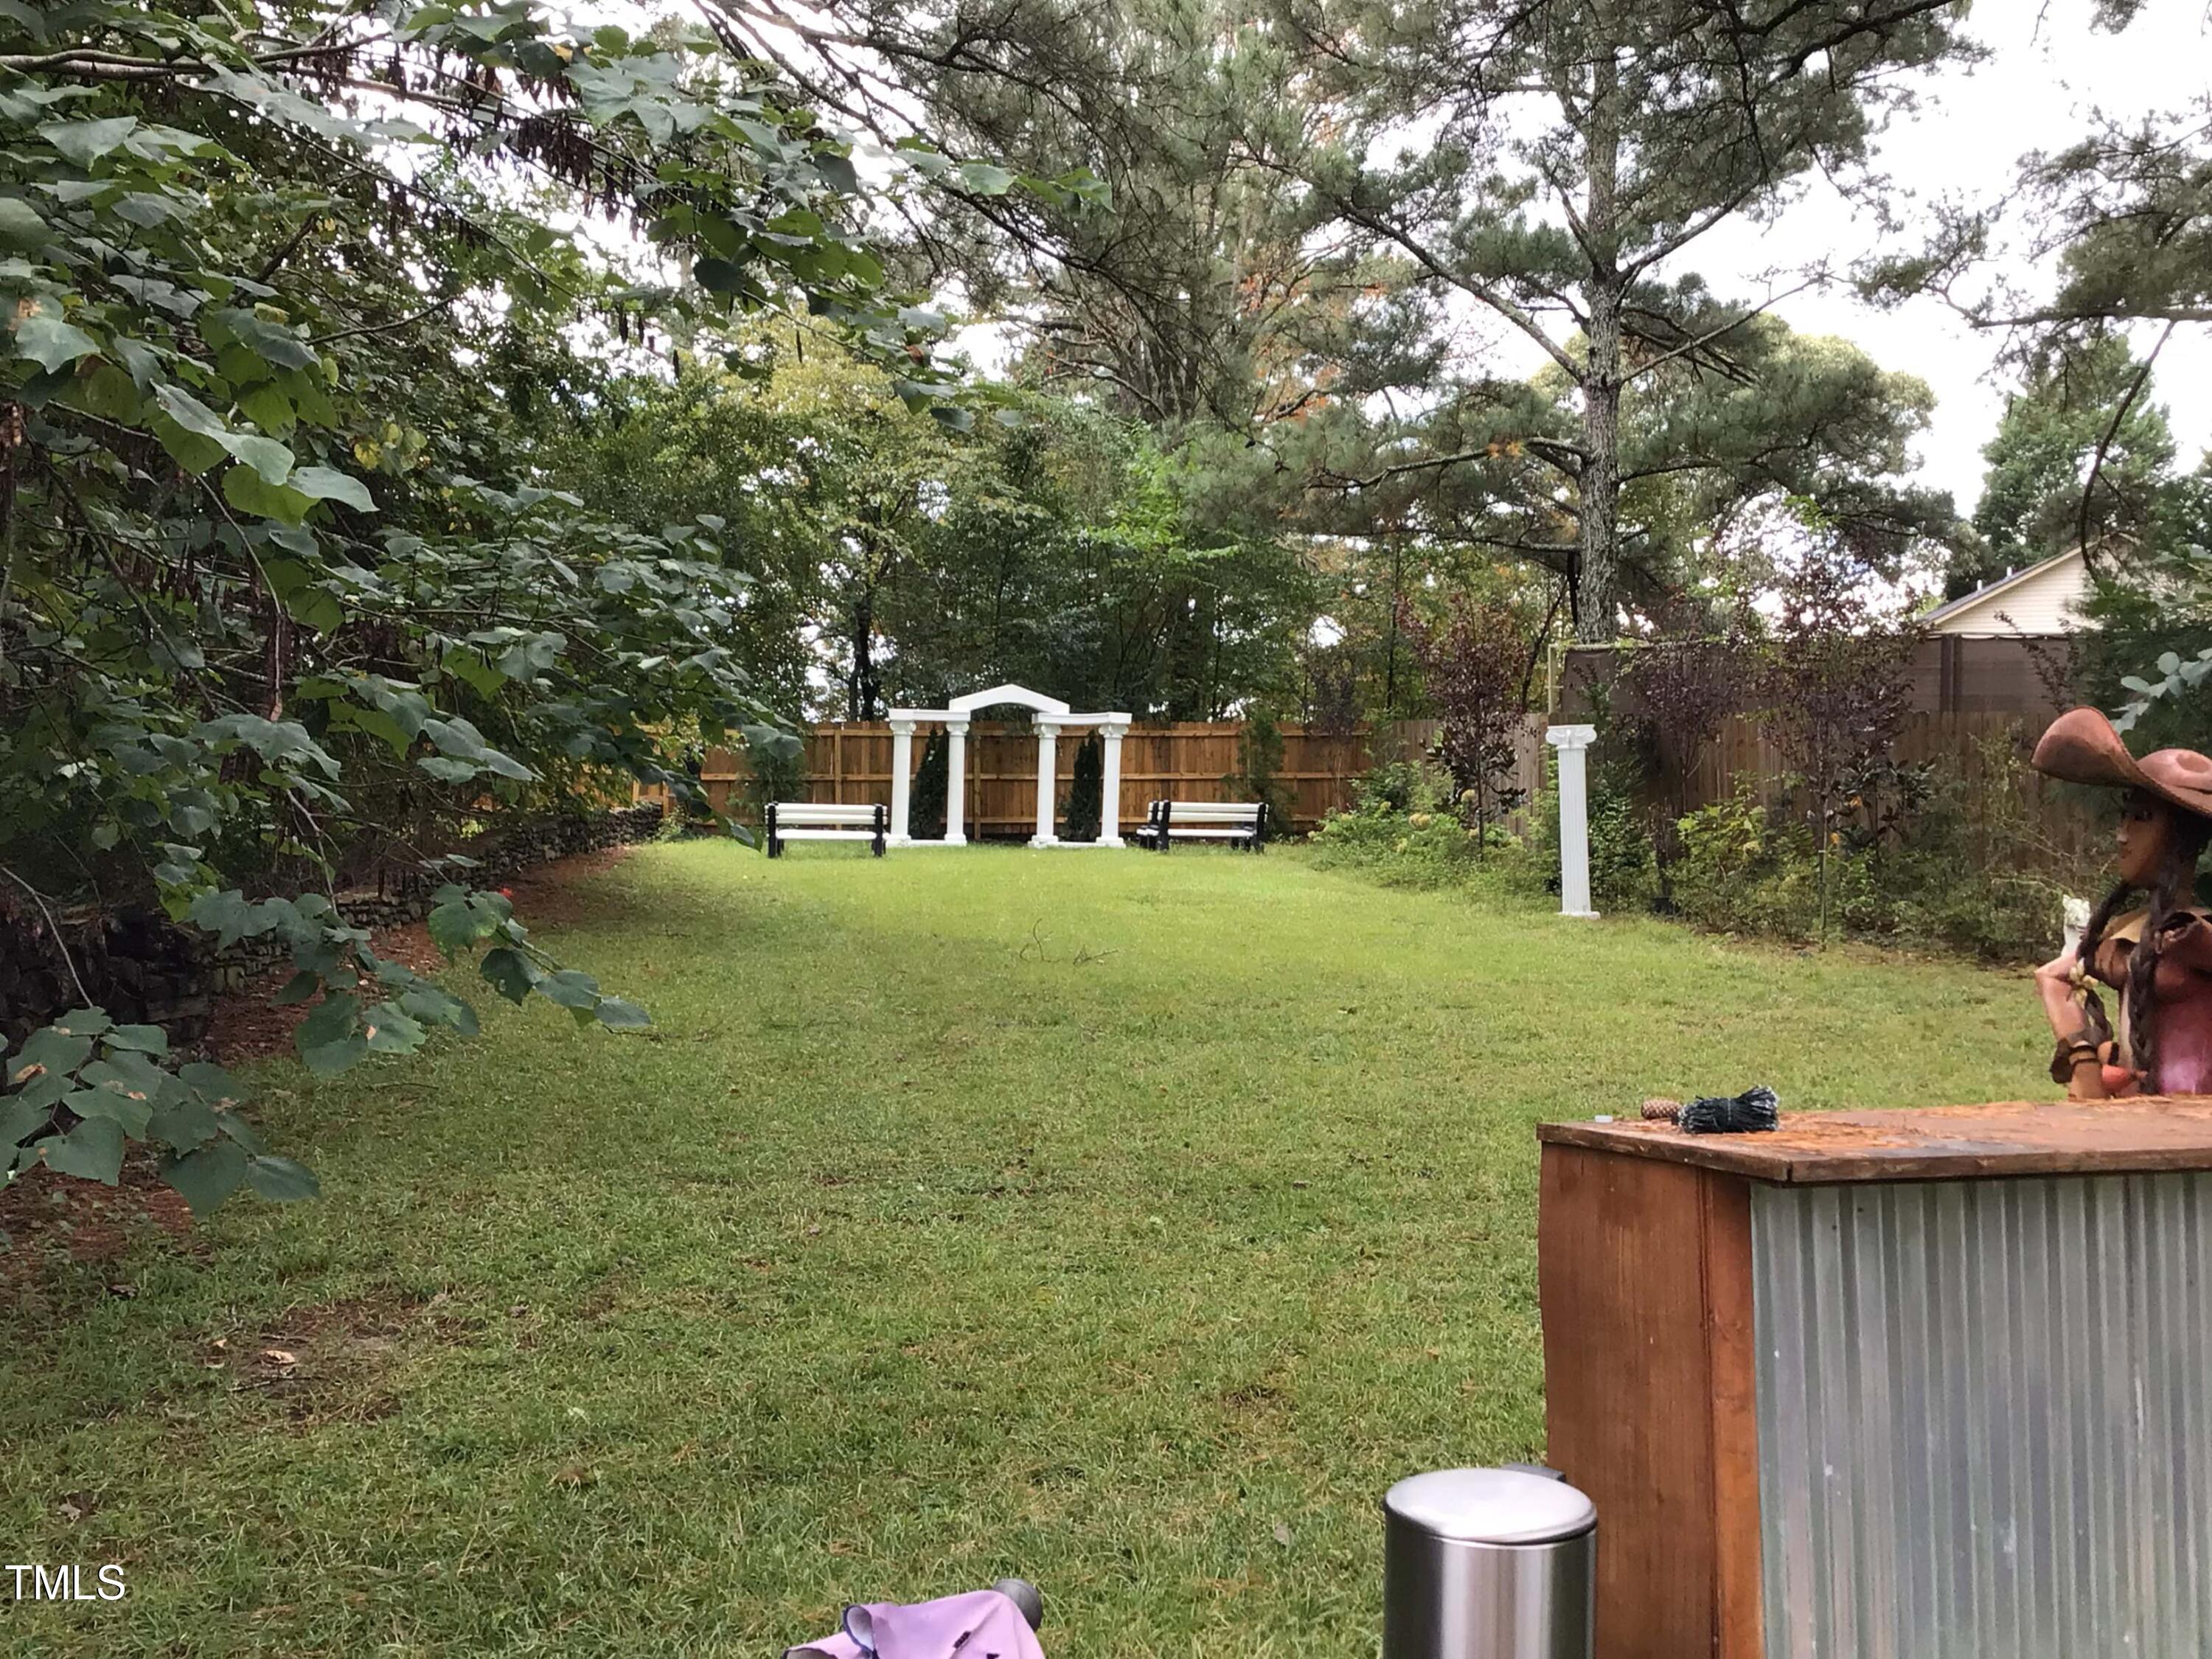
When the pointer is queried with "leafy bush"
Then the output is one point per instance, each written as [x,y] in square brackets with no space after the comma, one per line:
[1967,867]
[1405,786]
[1260,762]
[84,1087]
[1426,848]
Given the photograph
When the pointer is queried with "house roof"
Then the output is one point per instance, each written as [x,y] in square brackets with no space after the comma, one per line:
[1958,610]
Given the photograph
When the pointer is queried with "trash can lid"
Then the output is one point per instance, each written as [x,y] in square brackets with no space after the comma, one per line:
[1491,1506]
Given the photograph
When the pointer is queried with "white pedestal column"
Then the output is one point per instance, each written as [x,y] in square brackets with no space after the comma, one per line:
[1572,743]
[956,782]
[901,779]
[1048,783]
[1110,789]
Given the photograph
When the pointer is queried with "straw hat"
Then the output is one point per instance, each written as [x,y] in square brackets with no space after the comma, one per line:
[2082,747]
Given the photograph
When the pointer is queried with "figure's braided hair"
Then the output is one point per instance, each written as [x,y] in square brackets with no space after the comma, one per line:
[2173,889]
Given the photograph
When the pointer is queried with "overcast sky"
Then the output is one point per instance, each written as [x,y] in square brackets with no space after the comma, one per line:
[2036,92]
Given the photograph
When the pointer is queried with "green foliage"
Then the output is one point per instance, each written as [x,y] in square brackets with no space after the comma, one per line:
[1571,158]
[2081,406]
[82,1090]
[1419,849]
[1406,830]
[1969,867]
[933,788]
[1051,547]
[2149,657]
[1082,808]
[1258,768]
[284,599]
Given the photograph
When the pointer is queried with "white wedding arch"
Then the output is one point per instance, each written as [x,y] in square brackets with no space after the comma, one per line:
[1049,715]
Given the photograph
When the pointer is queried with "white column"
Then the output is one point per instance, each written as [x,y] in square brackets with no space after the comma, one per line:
[1573,743]
[1048,783]
[1109,788]
[956,782]
[901,779]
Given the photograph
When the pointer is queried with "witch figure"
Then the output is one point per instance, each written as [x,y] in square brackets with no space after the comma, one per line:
[2156,955]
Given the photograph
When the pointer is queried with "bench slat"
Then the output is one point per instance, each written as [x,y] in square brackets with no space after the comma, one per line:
[802,811]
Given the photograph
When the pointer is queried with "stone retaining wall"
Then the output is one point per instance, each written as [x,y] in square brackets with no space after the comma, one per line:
[141,967]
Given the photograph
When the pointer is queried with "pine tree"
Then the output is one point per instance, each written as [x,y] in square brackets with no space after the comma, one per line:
[1570,154]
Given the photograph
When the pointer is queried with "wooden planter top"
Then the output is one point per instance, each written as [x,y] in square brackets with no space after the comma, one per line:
[1939,1143]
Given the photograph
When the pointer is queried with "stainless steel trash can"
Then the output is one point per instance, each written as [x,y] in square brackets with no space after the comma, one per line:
[1488,1563]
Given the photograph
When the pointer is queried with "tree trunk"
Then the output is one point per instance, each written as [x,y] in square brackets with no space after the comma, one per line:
[1597,575]
[862,685]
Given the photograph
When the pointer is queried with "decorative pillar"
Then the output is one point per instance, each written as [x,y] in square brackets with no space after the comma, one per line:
[1572,743]
[1110,788]
[956,782]
[1048,783]
[901,779]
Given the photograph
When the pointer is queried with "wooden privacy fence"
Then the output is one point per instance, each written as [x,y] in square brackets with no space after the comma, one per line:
[850,762]
[1960,745]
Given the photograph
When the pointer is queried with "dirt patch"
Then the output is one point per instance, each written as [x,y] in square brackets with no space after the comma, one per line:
[567,890]
[330,1362]
[52,1219]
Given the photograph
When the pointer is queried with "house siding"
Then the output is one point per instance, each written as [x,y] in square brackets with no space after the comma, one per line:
[2046,600]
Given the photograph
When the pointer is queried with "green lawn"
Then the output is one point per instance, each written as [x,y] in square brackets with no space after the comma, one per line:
[1126,1221]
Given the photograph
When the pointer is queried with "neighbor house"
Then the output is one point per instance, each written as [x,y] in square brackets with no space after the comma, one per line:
[2044,600]
[1993,650]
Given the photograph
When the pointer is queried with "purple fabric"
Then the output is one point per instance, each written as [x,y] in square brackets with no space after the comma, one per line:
[981,1625]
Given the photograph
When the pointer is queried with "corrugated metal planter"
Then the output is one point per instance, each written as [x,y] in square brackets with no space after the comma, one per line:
[1986,1418]
[1927,1384]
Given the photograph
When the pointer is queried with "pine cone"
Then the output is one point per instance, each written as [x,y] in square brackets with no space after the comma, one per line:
[1660,1109]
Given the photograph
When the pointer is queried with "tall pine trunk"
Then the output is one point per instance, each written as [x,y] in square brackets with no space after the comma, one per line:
[1598,560]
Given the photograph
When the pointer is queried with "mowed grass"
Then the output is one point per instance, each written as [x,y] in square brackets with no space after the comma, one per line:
[1129,1223]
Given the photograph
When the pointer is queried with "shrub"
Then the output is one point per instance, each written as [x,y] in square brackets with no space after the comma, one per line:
[1259,765]
[1428,847]
[1084,804]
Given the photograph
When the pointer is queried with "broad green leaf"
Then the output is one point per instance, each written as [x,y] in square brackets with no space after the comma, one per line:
[509,972]
[127,1073]
[280,1180]
[128,1112]
[51,342]
[617,1015]
[571,989]
[297,990]
[331,1020]
[92,1151]
[21,229]
[455,925]
[206,1177]
[326,483]
[85,142]
[329,1058]
[48,1050]
[986,179]
[272,342]
[19,1117]
[83,1022]
[250,491]
[184,1123]
[211,1083]
[145,1039]
[434,1006]
[387,1030]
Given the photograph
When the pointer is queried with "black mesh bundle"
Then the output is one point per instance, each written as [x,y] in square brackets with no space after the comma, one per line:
[1756,1108]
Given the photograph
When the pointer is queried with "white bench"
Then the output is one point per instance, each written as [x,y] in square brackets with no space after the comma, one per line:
[806,820]
[1242,823]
